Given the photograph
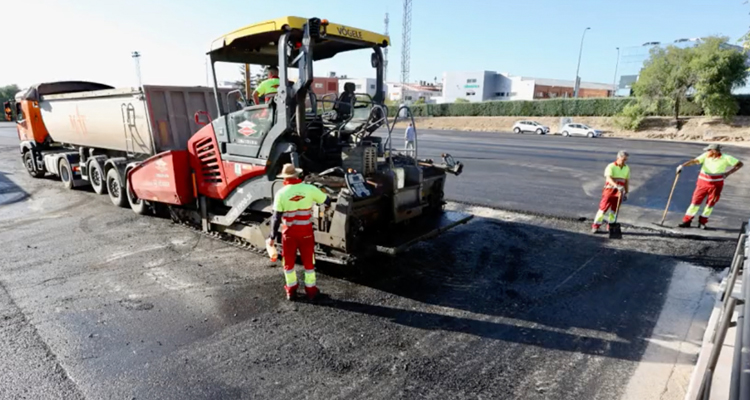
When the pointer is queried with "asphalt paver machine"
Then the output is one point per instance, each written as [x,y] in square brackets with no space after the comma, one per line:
[384,199]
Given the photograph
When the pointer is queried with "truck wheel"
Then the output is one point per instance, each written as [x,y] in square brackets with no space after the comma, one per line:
[116,189]
[66,173]
[96,177]
[28,162]
[139,206]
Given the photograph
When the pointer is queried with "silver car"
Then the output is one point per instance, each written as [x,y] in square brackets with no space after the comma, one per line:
[580,130]
[530,126]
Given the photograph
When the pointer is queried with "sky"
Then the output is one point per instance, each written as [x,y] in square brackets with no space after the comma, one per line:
[93,39]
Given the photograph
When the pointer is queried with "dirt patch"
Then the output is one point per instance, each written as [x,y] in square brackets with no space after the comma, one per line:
[690,129]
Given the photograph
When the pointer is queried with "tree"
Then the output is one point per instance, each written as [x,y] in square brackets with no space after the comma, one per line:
[8,91]
[668,74]
[719,69]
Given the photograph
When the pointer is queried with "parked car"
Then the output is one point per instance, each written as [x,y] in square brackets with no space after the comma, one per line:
[530,126]
[580,130]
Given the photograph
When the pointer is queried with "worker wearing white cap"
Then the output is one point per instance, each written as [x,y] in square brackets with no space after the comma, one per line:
[616,186]
[710,183]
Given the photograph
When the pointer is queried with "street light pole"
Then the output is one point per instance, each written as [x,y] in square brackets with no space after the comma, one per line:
[578,69]
[614,80]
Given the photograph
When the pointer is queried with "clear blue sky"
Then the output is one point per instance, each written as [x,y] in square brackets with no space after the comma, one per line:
[92,39]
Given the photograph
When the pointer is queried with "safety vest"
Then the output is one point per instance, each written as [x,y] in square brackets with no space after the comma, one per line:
[268,87]
[295,202]
[618,174]
[713,168]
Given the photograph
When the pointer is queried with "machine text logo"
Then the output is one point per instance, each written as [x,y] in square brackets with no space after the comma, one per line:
[344,31]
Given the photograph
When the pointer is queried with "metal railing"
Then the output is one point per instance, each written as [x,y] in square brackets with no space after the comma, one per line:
[740,379]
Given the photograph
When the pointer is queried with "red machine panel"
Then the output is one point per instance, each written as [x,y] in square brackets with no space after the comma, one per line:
[165,178]
[216,178]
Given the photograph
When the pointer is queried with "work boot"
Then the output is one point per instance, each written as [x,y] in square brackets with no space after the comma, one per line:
[312,292]
[291,292]
[595,228]
[702,226]
[685,224]
[702,221]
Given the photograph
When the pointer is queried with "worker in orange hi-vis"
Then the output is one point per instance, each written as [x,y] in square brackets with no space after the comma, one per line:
[617,175]
[714,165]
[292,211]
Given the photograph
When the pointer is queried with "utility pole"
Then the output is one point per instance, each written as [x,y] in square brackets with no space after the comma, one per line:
[614,80]
[385,60]
[248,91]
[578,69]
[137,60]
[405,46]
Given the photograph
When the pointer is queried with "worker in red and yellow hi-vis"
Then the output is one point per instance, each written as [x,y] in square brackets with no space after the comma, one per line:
[292,210]
[617,175]
[710,183]
[268,88]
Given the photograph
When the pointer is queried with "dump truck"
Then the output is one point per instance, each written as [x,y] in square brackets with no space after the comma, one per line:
[211,162]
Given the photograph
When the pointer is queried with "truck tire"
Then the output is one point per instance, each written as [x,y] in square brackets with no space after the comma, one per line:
[28,162]
[137,205]
[116,189]
[66,173]
[97,179]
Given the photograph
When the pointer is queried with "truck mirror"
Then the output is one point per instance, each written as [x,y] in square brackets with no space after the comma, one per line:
[202,118]
[8,111]
[374,60]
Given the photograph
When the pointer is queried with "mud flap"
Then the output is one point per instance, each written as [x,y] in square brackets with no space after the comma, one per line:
[422,230]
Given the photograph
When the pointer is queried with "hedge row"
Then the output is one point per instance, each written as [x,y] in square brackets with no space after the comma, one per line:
[598,107]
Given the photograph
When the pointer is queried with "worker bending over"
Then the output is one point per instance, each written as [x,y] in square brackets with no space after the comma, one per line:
[268,88]
[710,183]
[292,211]
[617,175]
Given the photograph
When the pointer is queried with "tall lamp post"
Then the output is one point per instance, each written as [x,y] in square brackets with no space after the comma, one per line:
[614,80]
[578,69]
[137,59]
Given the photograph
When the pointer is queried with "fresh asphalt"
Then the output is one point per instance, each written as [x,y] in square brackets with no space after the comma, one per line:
[96,302]
[559,176]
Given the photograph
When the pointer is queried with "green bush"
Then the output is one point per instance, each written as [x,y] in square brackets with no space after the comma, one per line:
[596,107]
[631,118]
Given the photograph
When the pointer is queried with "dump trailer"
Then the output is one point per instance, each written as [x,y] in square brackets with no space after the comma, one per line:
[222,179]
[91,133]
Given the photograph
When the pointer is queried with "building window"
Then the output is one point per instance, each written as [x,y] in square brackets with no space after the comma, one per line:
[318,86]
[500,94]
[471,81]
[372,86]
[407,97]
[552,95]
[359,87]
[539,94]
[470,93]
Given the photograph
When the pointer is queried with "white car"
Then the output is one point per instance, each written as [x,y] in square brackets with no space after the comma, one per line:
[530,126]
[580,130]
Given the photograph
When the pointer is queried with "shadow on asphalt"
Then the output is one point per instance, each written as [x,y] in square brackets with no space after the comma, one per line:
[10,193]
[552,288]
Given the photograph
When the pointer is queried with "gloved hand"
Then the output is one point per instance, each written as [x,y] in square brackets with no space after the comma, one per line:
[679,169]
[624,197]
[270,242]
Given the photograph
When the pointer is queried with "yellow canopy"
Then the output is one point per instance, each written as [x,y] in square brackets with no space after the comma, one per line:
[256,43]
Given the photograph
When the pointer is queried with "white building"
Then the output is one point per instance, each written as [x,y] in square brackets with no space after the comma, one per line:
[411,93]
[362,85]
[480,86]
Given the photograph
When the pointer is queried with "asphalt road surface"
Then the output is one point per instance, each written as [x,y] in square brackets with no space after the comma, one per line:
[96,302]
[554,175]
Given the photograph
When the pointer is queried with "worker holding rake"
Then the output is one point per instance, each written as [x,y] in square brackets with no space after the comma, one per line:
[710,183]
[616,186]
